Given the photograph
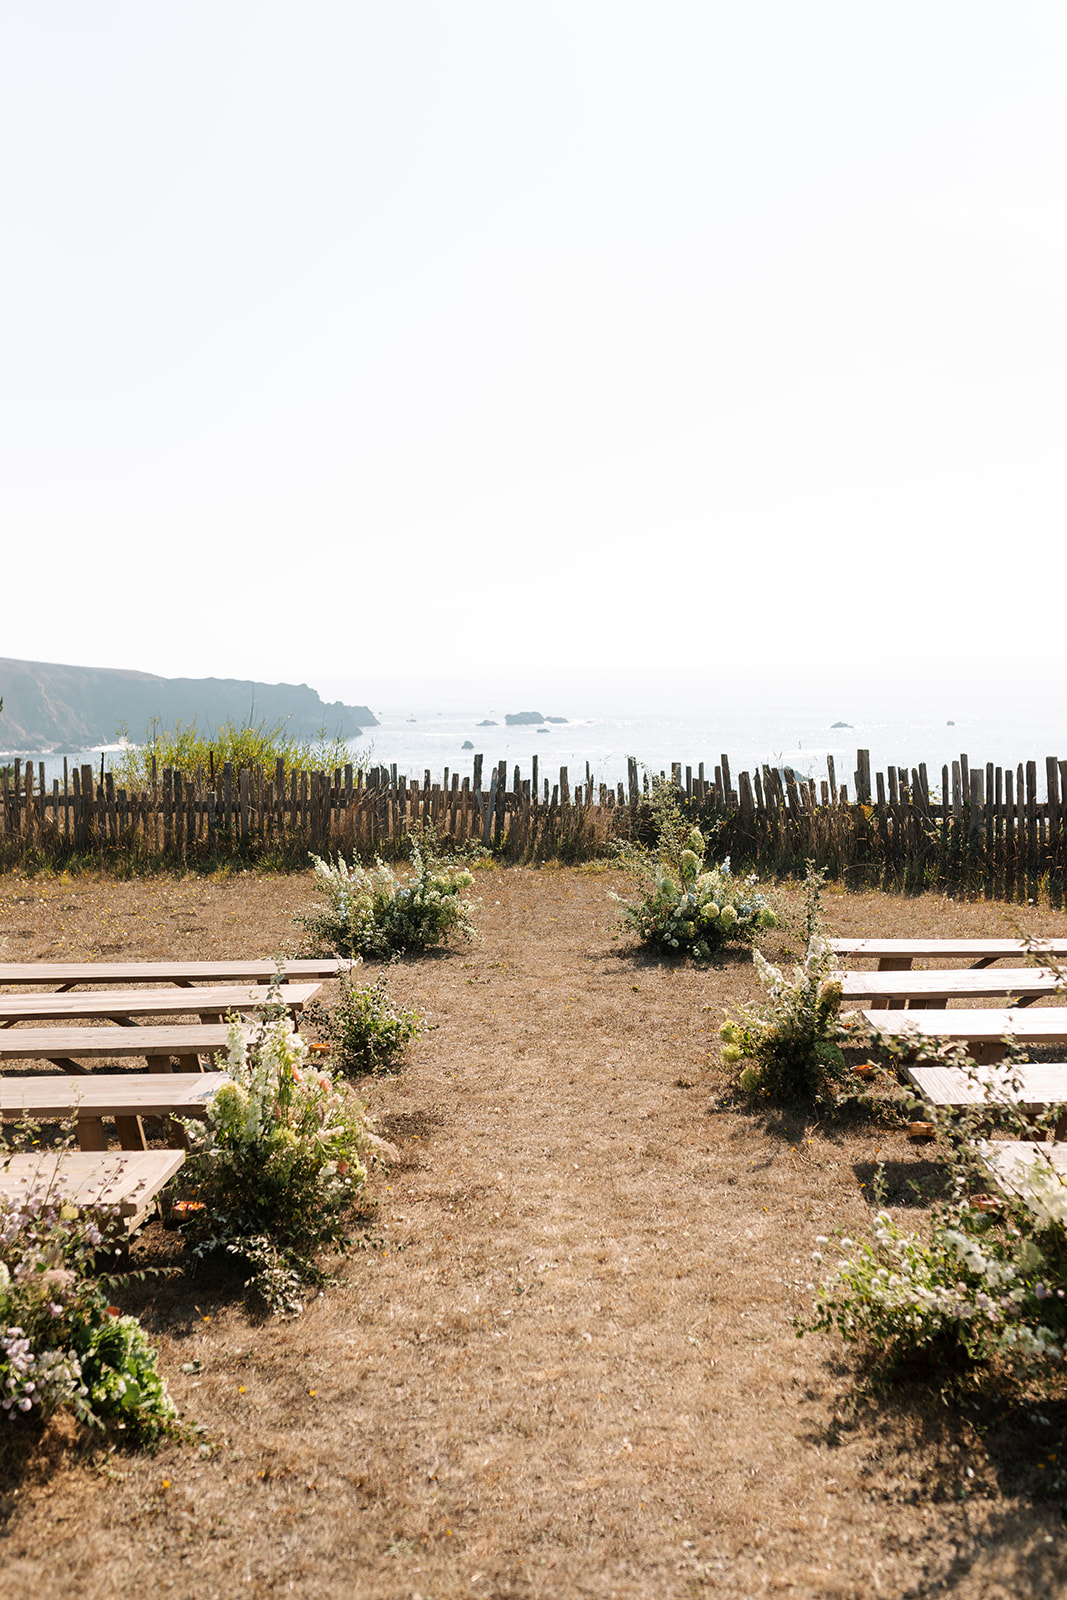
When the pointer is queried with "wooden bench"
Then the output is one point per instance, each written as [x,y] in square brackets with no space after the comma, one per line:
[1004,1156]
[126,1096]
[156,1046]
[128,1180]
[70,974]
[983,1031]
[210,1004]
[1033,1087]
[897,955]
[922,990]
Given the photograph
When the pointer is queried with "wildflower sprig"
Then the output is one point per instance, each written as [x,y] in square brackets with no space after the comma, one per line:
[367,1030]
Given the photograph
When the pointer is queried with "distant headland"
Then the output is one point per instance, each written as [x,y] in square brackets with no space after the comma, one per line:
[49,707]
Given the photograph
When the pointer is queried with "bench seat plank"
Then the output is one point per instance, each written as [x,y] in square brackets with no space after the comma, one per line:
[211,1004]
[1030,1084]
[898,954]
[1045,1025]
[56,1097]
[128,1179]
[982,1032]
[1003,1156]
[63,1045]
[949,983]
[72,973]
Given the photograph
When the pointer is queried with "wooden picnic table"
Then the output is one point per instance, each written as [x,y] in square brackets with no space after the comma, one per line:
[897,955]
[210,1003]
[922,990]
[70,974]
[126,1179]
[984,1030]
[128,1097]
[185,1042]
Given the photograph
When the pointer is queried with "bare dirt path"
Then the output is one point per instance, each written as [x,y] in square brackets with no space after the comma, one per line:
[570,1369]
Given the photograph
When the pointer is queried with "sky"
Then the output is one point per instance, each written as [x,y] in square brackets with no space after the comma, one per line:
[603,352]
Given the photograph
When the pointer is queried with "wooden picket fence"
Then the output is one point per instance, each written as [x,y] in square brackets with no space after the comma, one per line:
[979,828]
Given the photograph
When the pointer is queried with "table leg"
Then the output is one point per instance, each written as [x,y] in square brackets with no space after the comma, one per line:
[91,1133]
[131,1133]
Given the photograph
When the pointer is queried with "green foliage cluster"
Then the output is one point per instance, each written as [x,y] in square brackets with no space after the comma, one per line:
[688,906]
[186,749]
[367,1030]
[63,1345]
[273,1174]
[982,1297]
[792,1041]
[373,912]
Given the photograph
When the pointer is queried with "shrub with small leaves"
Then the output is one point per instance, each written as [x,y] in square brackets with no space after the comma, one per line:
[367,1031]
[373,912]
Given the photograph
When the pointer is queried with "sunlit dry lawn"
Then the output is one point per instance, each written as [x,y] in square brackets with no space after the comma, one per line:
[565,1362]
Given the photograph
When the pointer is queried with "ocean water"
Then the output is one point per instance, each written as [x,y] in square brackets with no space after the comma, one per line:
[421,739]
[416,741]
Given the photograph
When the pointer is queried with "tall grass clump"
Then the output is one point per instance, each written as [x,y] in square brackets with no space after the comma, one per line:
[243,745]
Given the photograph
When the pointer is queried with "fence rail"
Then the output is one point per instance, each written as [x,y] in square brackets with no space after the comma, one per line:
[983,827]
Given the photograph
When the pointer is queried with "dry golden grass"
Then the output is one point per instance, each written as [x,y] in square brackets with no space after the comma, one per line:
[571,1370]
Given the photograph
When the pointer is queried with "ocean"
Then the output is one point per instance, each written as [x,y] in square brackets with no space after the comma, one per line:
[417,740]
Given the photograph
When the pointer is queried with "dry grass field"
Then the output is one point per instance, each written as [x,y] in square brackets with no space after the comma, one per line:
[565,1363]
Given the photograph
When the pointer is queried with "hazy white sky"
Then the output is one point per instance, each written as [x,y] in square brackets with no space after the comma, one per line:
[610,351]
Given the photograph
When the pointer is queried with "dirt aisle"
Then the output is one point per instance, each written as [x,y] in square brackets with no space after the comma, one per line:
[570,1369]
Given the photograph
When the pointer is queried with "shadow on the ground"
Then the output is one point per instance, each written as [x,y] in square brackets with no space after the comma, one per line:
[903,1183]
[1001,1459]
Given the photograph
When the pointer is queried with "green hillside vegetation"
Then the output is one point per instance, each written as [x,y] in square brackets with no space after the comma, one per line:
[185,748]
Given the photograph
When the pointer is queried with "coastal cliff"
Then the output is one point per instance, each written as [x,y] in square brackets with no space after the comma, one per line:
[48,706]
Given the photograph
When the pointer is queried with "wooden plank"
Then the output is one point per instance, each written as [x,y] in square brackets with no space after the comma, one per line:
[976,950]
[957,983]
[1032,1085]
[54,1096]
[63,1045]
[1039,1026]
[125,1180]
[1004,1157]
[210,1002]
[253,970]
